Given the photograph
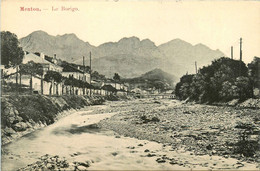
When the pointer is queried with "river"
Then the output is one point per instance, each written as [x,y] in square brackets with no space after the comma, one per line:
[72,138]
[75,138]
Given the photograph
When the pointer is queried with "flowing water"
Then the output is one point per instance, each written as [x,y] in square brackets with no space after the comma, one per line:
[75,138]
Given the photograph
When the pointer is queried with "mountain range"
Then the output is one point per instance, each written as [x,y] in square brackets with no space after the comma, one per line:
[130,57]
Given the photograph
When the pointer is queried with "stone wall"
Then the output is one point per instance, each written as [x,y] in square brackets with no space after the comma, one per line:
[23,114]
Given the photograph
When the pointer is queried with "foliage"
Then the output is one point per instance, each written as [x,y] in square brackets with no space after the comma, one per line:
[220,81]
[11,53]
[76,83]
[31,68]
[96,76]
[53,76]
[182,89]
[116,77]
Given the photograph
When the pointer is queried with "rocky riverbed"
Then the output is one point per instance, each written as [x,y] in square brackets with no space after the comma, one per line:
[142,134]
[230,132]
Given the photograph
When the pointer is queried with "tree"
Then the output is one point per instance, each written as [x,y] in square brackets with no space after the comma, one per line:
[32,69]
[11,54]
[53,77]
[223,80]
[116,77]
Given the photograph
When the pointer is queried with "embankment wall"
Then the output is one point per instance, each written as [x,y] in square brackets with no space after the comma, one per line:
[23,114]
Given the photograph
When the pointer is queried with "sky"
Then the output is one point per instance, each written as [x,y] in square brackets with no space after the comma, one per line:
[217,24]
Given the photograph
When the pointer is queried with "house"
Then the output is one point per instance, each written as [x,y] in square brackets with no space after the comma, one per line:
[40,58]
[77,73]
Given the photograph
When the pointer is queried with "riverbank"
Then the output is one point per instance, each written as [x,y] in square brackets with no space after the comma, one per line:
[230,132]
[21,115]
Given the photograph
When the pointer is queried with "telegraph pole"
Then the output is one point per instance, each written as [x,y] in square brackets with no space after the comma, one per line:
[240,62]
[240,59]
[231,52]
[84,77]
[196,67]
[90,70]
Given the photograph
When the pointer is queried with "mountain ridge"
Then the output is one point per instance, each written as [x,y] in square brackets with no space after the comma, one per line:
[129,56]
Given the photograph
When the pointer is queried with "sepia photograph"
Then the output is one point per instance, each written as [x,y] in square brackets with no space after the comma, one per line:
[130,85]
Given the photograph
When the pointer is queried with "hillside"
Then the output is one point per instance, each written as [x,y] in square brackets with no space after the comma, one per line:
[129,56]
[154,78]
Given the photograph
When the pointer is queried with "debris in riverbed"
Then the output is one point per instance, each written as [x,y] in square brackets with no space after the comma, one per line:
[49,162]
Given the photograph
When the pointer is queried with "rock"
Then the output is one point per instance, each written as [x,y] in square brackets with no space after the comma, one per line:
[140,145]
[146,150]
[11,112]
[114,153]
[6,111]
[9,131]
[160,160]
[81,168]
[12,119]
[150,155]
[131,147]
[16,112]
[19,118]
[21,126]
[86,164]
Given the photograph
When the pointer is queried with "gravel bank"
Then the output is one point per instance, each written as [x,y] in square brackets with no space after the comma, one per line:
[232,132]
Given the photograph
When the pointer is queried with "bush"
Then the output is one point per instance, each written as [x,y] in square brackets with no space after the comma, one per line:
[219,81]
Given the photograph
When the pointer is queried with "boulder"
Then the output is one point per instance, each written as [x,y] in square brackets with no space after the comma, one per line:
[9,131]
[21,126]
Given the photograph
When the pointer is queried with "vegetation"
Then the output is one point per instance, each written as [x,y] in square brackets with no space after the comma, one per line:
[223,80]
[11,54]
[53,77]
[116,77]
[31,68]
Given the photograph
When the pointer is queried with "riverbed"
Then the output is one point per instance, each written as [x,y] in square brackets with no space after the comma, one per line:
[77,138]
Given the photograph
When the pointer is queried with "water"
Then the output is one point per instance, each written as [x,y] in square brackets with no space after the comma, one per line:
[76,138]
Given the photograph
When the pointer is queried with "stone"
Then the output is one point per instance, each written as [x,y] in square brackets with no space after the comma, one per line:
[11,112]
[81,168]
[150,155]
[9,131]
[160,160]
[21,126]
[146,150]
[12,119]
[6,111]
[19,118]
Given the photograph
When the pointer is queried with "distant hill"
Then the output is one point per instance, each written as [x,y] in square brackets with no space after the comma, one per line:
[154,78]
[130,57]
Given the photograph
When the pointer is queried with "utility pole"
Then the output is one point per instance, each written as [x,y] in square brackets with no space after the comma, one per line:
[90,70]
[240,62]
[84,77]
[231,52]
[196,67]
[240,49]
[240,59]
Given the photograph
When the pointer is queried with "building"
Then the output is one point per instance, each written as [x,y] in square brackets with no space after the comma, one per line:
[40,58]
[77,73]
